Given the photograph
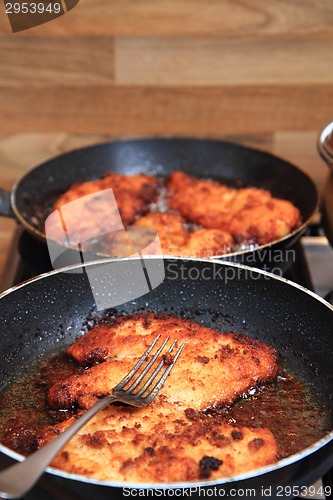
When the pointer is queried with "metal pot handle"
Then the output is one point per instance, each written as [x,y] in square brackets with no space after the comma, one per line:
[5,204]
[325,144]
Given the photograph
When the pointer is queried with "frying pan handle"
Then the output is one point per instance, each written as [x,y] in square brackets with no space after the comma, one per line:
[5,204]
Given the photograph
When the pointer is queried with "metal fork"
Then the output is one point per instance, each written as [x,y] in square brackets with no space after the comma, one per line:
[19,478]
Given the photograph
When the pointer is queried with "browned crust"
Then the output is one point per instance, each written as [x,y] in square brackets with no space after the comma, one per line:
[228,217]
[215,368]
[92,215]
[160,443]
[246,213]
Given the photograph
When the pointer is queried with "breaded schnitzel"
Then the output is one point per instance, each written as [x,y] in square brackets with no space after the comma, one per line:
[171,439]
[247,213]
[133,193]
[225,217]
[170,229]
[175,239]
[92,215]
[216,368]
[161,443]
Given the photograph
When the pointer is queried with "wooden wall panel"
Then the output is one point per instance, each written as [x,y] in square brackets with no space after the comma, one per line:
[37,62]
[161,61]
[141,110]
[22,152]
[194,18]
[202,67]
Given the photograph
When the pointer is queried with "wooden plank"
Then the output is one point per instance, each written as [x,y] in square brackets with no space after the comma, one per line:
[227,18]
[7,228]
[61,61]
[22,152]
[161,61]
[182,110]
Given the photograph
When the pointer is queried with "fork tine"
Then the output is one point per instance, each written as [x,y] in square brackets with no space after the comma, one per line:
[155,373]
[161,381]
[146,370]
[128,377]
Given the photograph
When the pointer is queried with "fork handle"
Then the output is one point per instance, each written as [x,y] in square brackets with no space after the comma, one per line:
[19,478]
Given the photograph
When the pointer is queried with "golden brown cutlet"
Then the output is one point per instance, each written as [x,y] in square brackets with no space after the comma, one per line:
[264,223]
[206,243]
[228,217]
[197,200]
[133,194]
[247,213]
[215,368]
[160,443]
[175,239]
[170,229]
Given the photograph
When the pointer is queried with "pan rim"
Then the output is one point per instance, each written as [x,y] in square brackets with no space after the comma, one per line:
[292,459]
[238,253]
[169,257]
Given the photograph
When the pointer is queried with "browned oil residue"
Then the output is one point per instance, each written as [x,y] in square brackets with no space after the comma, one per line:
[287,409]
[23,406]
[284,407]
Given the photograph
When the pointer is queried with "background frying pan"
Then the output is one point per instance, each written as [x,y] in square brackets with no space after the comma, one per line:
[218,160]
[35,316]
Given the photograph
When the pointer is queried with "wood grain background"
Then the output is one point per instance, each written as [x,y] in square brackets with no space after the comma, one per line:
[253,71]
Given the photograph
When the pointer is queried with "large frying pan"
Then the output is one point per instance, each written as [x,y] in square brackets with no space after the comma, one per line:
[218,160]
[35,315]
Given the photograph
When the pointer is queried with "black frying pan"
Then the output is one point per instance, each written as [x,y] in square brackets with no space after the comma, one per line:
[218,160]
[35,315]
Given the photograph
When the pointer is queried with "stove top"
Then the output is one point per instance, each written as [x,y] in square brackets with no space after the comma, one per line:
[312,267]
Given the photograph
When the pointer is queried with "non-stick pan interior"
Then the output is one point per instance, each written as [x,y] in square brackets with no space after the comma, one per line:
[51,311]
[213,159]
